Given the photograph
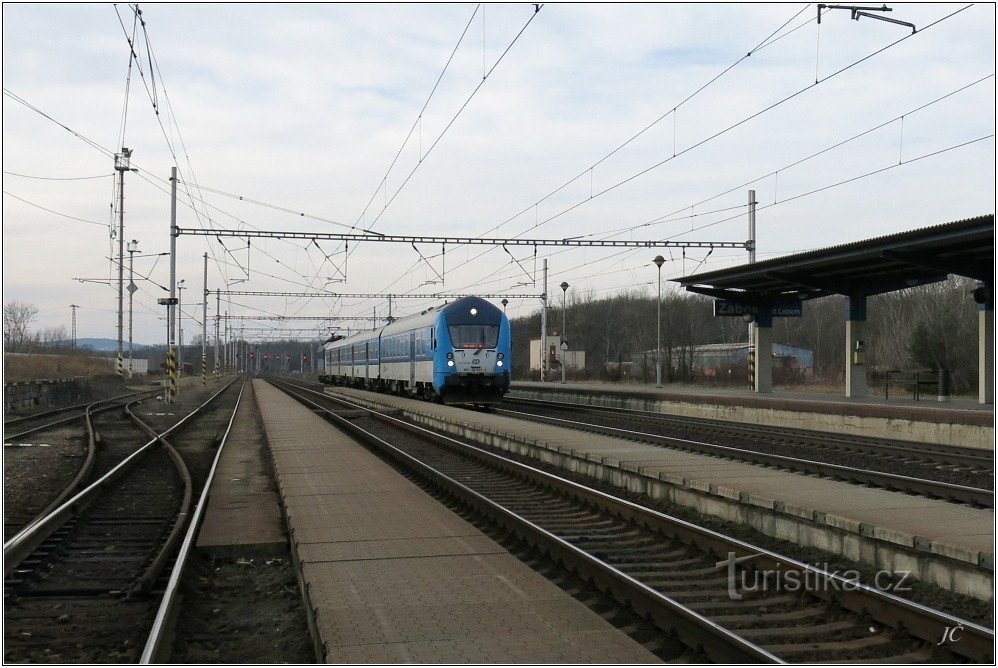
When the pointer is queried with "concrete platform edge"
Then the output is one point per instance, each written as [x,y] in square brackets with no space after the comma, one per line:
[318,646]
[724,408]
[949,567]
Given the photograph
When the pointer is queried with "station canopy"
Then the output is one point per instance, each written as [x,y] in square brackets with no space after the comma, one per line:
[859,269]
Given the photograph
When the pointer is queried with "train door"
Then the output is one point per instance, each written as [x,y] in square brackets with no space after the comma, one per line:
[367,359]
[412,360]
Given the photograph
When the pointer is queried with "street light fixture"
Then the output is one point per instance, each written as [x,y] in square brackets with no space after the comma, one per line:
[564,339]
[133,248]
[180,328]
[659,261]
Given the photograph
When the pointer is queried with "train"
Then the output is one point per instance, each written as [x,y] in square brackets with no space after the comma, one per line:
[457,353]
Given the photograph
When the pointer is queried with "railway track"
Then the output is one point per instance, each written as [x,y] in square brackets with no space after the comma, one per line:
[961,475]
[81,583]
[45,493]
[39,422]
[726,599]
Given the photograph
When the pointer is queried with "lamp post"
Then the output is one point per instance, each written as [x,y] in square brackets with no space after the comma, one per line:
[133,247]
[659,261]
[122,164]
[180,328]
[564,339]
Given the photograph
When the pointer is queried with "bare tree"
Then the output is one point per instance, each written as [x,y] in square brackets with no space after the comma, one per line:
[17,318]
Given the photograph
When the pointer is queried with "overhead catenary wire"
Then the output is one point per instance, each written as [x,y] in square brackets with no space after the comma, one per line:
[768,40]
[57,213]
[419,117]
[709,138]
[591,272]
[58,178]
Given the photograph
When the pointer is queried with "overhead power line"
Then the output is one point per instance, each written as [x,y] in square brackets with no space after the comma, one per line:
[447,127]
[57,213]
[58,178]
[419,119]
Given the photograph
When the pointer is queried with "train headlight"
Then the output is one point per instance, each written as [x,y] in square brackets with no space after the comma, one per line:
[474,311]
[450,362]
[499,363]
[499,356]
[450,356]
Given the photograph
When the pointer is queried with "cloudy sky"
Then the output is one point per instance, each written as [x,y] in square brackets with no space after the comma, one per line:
[304,107]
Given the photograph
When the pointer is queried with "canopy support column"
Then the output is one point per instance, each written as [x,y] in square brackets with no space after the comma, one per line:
[763,346]
[855,347]
[985,347]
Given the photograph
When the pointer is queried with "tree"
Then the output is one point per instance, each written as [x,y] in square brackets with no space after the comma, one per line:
[17,318]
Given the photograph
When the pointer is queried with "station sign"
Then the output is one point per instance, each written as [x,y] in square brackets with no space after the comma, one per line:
[730,308]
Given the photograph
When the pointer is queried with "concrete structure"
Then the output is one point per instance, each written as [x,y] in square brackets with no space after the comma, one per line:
[951,546]
[134,366]
[574,360]
[393,576]
[986,345]
[965,426]
[855,347]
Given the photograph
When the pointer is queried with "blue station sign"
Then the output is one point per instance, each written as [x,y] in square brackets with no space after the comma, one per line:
[727,307]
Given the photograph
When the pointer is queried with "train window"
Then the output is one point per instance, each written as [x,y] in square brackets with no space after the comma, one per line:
[474,336]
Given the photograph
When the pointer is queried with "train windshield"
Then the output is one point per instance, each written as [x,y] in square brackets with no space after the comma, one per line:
[474,336]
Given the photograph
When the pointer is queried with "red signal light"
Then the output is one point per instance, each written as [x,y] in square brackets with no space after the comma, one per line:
[266,356]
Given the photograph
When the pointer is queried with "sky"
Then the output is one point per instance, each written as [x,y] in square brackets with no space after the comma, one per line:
[303,108]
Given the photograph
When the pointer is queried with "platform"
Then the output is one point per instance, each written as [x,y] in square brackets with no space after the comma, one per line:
[962,423]
[394,576]
[243,516]
[947,544]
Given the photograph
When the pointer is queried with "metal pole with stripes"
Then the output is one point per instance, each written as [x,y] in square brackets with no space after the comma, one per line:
[171,370]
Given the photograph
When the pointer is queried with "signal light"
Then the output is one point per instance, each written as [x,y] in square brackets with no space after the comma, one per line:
[266,356]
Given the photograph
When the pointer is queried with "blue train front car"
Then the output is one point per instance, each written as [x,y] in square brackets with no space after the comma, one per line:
[473,347]
[456,353]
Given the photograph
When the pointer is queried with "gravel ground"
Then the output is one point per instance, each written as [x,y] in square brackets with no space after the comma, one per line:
[244,610]
[241,611]
[34,475]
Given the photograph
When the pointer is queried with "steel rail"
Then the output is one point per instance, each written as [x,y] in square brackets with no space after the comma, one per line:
[56,411]
[72,418]
[152,571]
[984,498]
[162,628]
[21,544]
[954,454]
[85,468]
[691,627]
[889,609]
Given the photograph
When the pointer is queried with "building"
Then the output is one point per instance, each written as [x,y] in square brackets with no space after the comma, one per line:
[574,360]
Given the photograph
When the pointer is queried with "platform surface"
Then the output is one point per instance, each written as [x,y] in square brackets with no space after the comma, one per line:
[243,516]
[395,576]
[970,529]
[958,409]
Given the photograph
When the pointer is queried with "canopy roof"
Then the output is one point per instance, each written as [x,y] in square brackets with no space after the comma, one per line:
[860,269]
